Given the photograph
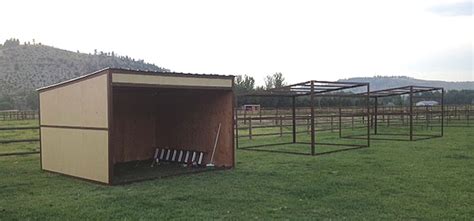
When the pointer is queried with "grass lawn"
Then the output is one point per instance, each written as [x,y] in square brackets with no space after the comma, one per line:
[427,179]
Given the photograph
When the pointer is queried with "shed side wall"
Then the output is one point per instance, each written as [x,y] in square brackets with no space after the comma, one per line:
[74,129]
[82,104]
[75,152]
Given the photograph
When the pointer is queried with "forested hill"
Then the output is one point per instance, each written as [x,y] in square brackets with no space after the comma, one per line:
[381,82]
[26,67]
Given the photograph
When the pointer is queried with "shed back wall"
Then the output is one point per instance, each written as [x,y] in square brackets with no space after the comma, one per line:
[179,119]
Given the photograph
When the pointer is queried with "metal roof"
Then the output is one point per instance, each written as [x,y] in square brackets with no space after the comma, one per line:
[168,73]
[307,88]
[396,91]
[136,71]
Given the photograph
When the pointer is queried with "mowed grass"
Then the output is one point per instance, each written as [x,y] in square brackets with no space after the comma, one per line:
[428,179]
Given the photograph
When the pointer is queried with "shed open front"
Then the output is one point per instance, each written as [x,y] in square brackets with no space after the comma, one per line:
[116,125]
[167,130]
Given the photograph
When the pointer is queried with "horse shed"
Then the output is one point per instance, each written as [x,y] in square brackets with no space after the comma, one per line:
[109,125]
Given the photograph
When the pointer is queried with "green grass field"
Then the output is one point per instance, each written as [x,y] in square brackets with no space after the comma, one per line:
[428,180]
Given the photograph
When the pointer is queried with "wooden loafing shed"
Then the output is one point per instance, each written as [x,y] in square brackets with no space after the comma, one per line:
[90,124]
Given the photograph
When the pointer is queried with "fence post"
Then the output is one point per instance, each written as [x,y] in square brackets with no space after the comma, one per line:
[307,124]
[245,116]
[402,115]
[250,128]
[388,120]
[276,116]
[281,126]
[411,113]
[332,123]
[340,122]
[468,112]
[383,114]
[455,112]
[352,120]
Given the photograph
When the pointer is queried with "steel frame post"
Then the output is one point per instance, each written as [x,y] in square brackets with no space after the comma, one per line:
[442,112]
[375,115]
[411,113]
[293,113]
[312,119]
[340,122]
[367,104]
[236,110]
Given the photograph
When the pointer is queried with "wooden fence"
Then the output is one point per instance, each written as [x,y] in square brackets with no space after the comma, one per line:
[18,115]
[331,119]
[33,140]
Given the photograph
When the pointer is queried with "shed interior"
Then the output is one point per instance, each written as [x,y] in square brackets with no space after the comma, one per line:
[146,118]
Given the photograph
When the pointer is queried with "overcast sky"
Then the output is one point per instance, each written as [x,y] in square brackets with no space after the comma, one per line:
[320,40]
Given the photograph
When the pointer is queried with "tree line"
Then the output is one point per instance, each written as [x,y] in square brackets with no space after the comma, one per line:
[246,84]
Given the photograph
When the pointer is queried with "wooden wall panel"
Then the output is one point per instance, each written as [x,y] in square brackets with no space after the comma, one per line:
[76,152]
[171,80]
[182,119]
[134,125]
[80,104]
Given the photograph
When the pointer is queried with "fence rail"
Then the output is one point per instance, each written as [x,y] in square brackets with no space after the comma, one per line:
[23,140]
[18,115]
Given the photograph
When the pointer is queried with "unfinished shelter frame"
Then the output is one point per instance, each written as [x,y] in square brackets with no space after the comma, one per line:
[313,89]
[411,91]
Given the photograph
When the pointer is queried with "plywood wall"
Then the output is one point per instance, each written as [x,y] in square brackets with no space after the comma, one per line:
[74,129]
[182,119]
[81,104]
[171,80]
[79,153]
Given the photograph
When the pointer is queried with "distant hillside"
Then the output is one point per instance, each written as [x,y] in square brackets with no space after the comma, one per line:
[381,82]
[25,67]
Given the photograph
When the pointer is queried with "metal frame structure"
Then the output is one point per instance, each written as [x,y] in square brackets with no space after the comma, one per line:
[313,89]
[411,91]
